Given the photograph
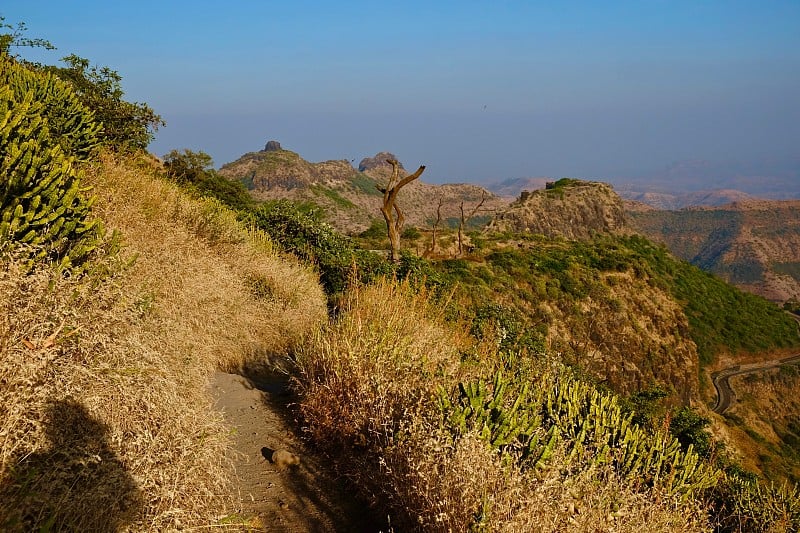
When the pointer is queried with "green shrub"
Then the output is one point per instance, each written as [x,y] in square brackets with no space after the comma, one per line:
[42,205]
[70,123]
[126,125]
[302,234]
[194,170]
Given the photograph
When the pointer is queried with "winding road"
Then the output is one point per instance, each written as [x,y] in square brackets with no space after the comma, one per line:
[722,378]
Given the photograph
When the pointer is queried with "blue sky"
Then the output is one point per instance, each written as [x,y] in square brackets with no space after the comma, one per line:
[476,90]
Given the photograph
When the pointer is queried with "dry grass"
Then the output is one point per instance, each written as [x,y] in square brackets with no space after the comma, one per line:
[451,485]
[369,383]
[105,419]
[381,360]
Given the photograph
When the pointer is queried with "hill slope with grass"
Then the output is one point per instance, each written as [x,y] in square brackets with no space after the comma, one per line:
[754,245]
[443,383]
[122,357]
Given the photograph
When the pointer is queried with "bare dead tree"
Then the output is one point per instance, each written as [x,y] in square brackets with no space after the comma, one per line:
[436,224]
[465,219]
[394,224]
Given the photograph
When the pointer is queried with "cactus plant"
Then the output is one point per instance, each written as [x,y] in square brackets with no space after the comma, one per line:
[532,419]
[42,204]
[70,123]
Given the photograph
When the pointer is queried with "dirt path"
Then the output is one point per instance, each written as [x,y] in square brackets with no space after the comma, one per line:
[721,379]
[299,498]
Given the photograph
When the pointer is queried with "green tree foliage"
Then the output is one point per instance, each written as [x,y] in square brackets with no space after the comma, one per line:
[690,429]
[42,205]
[646,407]
[194,170]
[302,234]
[12,36]
[126,125]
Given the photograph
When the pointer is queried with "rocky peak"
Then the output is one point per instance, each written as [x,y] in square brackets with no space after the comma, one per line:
[568,208]
[370,163]
[272,146]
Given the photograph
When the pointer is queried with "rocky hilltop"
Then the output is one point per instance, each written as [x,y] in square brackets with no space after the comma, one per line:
[753,244]
[350,197]
[568,208]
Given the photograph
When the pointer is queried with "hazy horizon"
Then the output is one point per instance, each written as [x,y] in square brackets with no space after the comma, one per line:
[477,91]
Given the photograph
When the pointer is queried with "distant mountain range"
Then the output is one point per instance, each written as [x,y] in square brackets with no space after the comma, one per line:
[690,183]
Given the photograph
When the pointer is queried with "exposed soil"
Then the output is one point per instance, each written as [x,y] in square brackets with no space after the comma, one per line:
[297,498]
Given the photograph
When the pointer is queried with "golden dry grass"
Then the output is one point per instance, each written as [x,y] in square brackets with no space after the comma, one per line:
[369,383]
[105,419]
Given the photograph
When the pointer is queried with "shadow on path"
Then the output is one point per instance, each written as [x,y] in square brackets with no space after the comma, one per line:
[77,484]
[308,497]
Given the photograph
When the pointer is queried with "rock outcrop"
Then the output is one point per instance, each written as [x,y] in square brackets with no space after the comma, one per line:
[351,198]
[272,146]
[378,161]
[568,208]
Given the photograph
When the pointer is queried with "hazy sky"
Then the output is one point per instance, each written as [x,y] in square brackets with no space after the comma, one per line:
[473,89]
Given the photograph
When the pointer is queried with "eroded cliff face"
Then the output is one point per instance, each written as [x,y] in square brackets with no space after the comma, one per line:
[572,209]
[754,245]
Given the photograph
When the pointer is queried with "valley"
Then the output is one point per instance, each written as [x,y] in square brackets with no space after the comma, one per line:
[187,349]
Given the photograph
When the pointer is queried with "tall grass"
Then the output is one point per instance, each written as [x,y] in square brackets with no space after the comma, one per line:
[105,418]
[369,386]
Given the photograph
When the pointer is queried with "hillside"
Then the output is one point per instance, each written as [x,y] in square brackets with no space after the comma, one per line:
[754,245]
[665,200]
[533,363]
[349,197]
[568,208]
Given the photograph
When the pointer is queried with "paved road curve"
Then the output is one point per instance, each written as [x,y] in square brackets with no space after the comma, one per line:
[722,378]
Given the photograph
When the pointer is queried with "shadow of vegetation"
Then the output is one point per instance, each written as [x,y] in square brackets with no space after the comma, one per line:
[77,484]
[349,513]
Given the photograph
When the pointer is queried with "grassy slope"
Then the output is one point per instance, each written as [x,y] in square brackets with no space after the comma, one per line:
[721,318]
[111,371]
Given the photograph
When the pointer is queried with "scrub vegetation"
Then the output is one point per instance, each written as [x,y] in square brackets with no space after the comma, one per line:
[439,388]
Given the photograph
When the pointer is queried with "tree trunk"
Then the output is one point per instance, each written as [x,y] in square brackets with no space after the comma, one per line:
[395,225]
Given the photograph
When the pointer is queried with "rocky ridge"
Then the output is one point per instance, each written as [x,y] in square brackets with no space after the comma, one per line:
[754,244]
[568,208]
[350,197]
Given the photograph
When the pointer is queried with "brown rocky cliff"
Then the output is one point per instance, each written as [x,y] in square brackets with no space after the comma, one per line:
[572,209]
[752,244]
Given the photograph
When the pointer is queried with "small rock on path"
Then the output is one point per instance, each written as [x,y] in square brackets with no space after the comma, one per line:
[291,498]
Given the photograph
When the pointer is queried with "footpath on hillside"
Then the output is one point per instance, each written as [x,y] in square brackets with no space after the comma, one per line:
[294,498]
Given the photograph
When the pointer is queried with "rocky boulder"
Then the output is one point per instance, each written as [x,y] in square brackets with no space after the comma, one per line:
[378,161]
[272,146]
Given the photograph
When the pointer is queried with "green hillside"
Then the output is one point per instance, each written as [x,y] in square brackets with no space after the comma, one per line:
[483,390]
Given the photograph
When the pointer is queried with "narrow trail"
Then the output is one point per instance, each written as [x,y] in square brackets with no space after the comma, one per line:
[721,379]
[299,498]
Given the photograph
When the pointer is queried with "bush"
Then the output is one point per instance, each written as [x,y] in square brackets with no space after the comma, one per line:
[379,388]
[126,125]
[193,170]
[302,234]
[42,204]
